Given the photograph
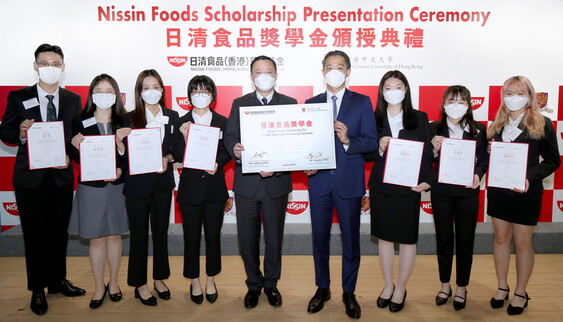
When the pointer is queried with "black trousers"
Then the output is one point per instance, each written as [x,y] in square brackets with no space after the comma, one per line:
[455,218]
[210,214]
[44,214]
[155,209]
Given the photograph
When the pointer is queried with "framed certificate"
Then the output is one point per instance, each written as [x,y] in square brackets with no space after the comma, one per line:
[287,137]
[144,148]
[46,145]
[97,158]
[508,165]
[201,147]
[457,162]
[402,163]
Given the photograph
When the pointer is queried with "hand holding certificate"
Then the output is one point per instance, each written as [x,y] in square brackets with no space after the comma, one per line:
[46,145]
[457,162]
[201,147]
[97,158]
[508,164]
[402,164]
[145,151]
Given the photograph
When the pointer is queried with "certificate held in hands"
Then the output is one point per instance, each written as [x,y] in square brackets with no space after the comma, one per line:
[144,147]
[97,158]
[46,145]
[457,162]
[201,147]
[402,164]
[508,164]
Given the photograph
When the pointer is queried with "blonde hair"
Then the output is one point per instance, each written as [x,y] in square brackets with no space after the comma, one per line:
[533,120]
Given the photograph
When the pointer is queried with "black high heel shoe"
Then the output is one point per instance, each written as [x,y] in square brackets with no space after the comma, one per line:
[163,295]
[396,307]
[460,305]
[151,301]
[94,304]
[443,300]
[197,299]
[516,310]
[116,297]
[211,298]
[381,302]
[497,304]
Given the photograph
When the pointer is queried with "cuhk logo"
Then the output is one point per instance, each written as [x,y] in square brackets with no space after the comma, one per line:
[11,208]
[560,204]
[183,102]
[426,206]
[477,102]
[177,61]
[297,207]
[228,205]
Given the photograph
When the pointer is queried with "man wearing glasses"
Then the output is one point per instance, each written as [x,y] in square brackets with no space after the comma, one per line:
[43,196]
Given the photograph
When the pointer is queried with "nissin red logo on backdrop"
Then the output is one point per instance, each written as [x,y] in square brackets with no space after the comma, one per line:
[177,61]
[426,206]
[183,102]
[476,102]
[560,205]
[11,208]
[297,207]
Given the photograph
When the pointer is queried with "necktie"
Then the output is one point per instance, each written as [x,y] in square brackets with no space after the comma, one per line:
[334,110]
[51,111]
[265,101]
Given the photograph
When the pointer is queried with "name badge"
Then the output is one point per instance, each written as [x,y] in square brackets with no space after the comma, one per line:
[220,135]
[32,102]
[89,122]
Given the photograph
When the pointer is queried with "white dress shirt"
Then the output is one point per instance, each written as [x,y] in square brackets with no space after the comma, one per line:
[158,120]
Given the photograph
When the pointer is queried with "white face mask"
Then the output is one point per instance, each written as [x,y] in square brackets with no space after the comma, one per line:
[335,78]
[103,101]
[201,100]
[455,110]
[394,96]
[152,96]
[515,102]
[264,82]
[50,75]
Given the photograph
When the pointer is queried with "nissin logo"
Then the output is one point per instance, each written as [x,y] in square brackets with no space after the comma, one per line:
[183,102]
[177,61]
[297,207]
[477,102]
[11,208]
[426,206]
[560,205]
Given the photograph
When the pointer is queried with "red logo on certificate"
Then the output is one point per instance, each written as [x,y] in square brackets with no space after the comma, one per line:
[297,207]
[177,61]
[11,208]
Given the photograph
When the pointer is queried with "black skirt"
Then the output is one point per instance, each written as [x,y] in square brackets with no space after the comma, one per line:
[395,218]
[523,209]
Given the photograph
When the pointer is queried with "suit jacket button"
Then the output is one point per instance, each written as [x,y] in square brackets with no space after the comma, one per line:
[203,177]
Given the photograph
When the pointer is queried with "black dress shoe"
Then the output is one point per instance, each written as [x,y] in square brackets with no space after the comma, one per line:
[497,304]
[251,299]
[460,305]
[211,298]
[197,299]
[274,296]
[396,307]
[381,302]
[163,295]
[443,300]
[516,310]
[317,302]
[94,304]
[151,301]
[66,288]
[116,297]
[39,304]
[353,309]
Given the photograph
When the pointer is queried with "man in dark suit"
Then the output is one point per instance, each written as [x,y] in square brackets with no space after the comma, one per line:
[343,187]
[44,196]
[265,192]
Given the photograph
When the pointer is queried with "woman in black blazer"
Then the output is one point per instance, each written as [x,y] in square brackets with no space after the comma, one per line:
[455,207]
[515,212]
[202,193]
[98,211]
[395,210]
[148,196]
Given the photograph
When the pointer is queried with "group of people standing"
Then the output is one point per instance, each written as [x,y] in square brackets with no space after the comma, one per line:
[104,210]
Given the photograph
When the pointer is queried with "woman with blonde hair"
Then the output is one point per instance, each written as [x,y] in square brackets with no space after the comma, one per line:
[515,212]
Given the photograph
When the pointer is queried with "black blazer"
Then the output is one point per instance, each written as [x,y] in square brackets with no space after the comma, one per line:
[197,185]
[247,184]
[142,185]
[481,161]
[422,134]
[70,107]
[545,147]
[78,127]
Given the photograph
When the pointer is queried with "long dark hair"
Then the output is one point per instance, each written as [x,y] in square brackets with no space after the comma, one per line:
[138,116]
[409,118]
[117,109]
[457,92]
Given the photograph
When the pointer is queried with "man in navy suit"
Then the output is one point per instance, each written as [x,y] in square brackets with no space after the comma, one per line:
[343,187]
[265,192]
[44,196]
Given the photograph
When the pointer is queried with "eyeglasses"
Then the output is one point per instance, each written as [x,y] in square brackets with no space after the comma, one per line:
[204,92]
[56,64]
